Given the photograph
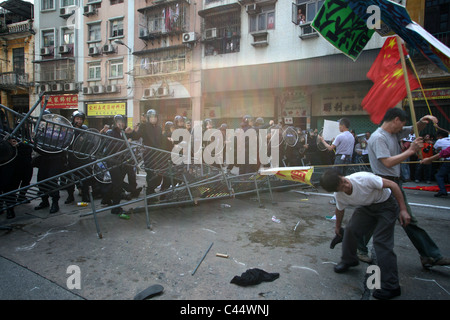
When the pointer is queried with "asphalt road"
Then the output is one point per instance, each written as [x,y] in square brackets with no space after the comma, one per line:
[290,237]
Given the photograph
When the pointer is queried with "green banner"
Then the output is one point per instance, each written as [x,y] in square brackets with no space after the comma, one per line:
[340,26]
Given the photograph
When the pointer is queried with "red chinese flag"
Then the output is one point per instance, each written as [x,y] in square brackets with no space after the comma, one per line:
[387,57]
[387,92]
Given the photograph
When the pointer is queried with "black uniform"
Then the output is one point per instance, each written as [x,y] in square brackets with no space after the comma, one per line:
[117,173]
[151,135]
[72,163]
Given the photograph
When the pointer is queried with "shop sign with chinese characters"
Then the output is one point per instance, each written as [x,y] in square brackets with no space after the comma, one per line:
[67,101]
[106,109]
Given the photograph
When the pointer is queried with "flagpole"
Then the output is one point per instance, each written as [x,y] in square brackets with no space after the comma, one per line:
[408,91]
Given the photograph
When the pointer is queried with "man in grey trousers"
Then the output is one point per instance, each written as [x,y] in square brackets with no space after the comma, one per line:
[385,157]
[379,203]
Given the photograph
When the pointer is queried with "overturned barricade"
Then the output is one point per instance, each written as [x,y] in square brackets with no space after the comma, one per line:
[190,184]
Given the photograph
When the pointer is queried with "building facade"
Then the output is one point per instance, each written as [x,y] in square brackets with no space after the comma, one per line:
[16,54]
[167,55]
[108,36]
[57,52]
[217,59]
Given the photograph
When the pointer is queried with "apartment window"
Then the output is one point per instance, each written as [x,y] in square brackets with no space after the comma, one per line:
[304,11]
[47,5]
[116,28]
[113,2]
[67,36]
[94,71]
[94,32]
[265,20]
[48,38]
[67,3]
[19,60]
[116,69]
[222,33]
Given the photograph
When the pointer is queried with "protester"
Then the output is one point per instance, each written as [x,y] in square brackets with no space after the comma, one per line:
[442,143]
[385,157]
[379,203]
[426,169]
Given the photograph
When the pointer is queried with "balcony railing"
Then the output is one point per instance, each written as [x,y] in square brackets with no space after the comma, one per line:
[12,79]
[443,37]
[18,27]
[149,67]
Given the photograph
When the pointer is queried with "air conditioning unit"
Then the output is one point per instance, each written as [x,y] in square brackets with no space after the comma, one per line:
[44,87]
[211,33]
[87,90]
[70,86]
[64,49]
[112,88]
[46,51]
[98,89]
[94,51]
[189,37]
[143,32]
[88,10]
[252,9]
[66,12]
[162,91]
[148,93]
[57,87]
[108,48]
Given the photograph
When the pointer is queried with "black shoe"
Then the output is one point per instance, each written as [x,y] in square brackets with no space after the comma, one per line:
[343,267]
[118,210]
[440,194]
[135,193]
[70,199]
[55,207]
[385,294]
[10,214]
[337,239]
[42,205]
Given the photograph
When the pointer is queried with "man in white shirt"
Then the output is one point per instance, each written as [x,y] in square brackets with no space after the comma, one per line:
[442,143]
[379,202]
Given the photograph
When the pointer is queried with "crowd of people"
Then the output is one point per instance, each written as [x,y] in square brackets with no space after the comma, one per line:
[380,201]
[378,196]
[296,147]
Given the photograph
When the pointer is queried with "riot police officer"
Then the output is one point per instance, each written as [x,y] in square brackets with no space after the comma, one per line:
[49,165]
[151,134]
[78,118]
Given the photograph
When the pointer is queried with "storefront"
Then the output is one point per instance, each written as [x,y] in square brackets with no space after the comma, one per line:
[302,93]
[64,104]
[101,113]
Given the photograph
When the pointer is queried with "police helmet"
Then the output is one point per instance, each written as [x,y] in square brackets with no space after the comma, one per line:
[178,121]
[151,113]
[119,118]
[247,119]
[79,114]
[168,125]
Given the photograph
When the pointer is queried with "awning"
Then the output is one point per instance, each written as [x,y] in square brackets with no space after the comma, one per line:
[219,9]
[306,72]
[19,7]
[150,51]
